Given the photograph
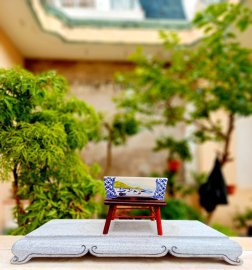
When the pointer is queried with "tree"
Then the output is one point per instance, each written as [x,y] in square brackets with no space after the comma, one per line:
[116,131]
[196,82]
[41,129]
[225,73]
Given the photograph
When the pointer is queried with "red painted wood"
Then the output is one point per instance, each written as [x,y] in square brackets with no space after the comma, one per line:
[114,211]
[134,203]
[152,214]
[132,217]
[108,219]
[158,220]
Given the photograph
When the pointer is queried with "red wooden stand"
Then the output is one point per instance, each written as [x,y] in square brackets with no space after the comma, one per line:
[134,203]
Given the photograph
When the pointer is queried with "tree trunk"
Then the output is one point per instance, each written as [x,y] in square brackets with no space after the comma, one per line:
[20,209]
[109,151]
[226,153]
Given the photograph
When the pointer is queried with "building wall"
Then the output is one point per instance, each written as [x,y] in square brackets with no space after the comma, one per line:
[244,152]
[9,54]
[9,57]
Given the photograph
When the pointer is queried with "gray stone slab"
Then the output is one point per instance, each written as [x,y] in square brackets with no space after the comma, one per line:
[126,238]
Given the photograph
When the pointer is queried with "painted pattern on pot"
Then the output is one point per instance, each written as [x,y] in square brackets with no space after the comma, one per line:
[146,187]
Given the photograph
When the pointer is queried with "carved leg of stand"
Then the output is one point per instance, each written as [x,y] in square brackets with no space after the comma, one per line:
[158,220]
[108,219]
[113,214]
[152,212]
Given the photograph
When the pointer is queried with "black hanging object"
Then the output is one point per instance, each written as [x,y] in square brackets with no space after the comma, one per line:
[214,191]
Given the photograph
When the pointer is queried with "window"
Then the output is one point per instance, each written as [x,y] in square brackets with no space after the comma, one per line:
[78,3]
[122,4]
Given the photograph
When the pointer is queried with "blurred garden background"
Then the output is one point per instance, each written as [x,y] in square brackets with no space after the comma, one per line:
[130,88]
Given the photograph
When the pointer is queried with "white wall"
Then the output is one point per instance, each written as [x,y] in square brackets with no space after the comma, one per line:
[9,55]
[244,152]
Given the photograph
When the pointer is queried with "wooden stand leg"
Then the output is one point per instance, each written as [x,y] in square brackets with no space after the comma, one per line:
[108,219]
[158,220]
[113,214]
[152,213]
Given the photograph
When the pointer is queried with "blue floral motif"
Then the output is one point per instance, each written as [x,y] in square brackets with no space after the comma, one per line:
[109,187]
[160,188]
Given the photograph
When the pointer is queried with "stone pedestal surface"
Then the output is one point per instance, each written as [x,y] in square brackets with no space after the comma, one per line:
[126,238]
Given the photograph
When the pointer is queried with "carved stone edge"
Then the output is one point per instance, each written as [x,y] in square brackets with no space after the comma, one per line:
[228,250]
[234,260]
[157,251]
[23,258]
[224,248]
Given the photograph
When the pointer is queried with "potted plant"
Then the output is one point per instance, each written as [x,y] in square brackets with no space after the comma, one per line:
[231,188]
[42,130]
[244,220]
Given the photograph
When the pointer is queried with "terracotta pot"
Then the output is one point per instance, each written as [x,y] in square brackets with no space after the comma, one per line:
[173,165]
[231,189]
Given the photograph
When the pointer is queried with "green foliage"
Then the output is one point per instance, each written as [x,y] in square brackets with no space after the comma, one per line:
[228,73]
[199,178]
[176,147]
[123,125]
[217,19]
[241,219]
[116,132]
[224,229]
[41,128]
[119,184]
[56,198]
[178,209]
[195,83]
